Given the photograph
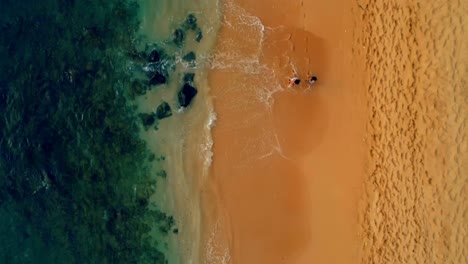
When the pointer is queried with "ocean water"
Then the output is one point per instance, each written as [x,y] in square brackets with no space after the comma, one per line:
[99,159]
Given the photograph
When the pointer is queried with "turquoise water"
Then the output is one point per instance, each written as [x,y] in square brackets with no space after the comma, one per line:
[77,181]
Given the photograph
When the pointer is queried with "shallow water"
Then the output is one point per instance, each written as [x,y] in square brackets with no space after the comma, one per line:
[185,136]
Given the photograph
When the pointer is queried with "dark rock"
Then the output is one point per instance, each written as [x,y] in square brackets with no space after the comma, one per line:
[154,56]
[199,35]
[163,111]
[147,119]
[158,79]
[190,57]
[186,95]
[190,22]
[188,77]
[162,174]
[179,37]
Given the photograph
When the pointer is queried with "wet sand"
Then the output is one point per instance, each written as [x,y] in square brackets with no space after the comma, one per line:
[367,166]
[287,161]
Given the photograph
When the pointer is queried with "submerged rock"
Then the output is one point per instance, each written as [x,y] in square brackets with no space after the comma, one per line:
[158,79]
[186,95]
[163,111]
[199,35]
[147,119]
[154,56]
[191,22]
[179,37]
[189,77]
[190,58]
[162,174]
[137,88]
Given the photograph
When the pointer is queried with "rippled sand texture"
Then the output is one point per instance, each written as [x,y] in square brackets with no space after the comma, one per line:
[414,208]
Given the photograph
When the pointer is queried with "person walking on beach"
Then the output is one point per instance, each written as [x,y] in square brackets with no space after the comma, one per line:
[295,79]
[311,79]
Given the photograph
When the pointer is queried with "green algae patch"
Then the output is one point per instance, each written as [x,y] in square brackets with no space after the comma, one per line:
[76,178]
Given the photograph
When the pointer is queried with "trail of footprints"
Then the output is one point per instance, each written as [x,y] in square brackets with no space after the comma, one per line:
[413,208]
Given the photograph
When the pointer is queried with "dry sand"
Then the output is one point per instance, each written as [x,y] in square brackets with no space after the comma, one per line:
[367,167]
[415,202]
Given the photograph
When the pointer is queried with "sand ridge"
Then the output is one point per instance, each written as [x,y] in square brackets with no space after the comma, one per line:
[414,206]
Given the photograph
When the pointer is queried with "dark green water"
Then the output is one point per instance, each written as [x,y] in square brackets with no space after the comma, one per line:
[75,178]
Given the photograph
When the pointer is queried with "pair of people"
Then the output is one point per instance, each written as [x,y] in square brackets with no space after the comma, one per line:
[295,80]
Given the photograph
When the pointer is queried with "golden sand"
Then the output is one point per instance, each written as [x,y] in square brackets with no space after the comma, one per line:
[414,205]
[367,167]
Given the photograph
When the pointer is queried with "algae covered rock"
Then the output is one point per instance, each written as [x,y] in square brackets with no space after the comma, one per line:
[186,95]
[199,35]
[154,56]
[158,79]
[189,77]
[190,58]
[163,110]
[179,37]
[162,174]
[147,119]
[190,22]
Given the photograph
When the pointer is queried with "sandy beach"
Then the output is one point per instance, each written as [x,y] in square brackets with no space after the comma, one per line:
[288,161]
[414,205]
[364,167]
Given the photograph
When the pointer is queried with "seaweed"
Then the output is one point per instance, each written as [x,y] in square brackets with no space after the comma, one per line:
[137,88]
[75,175]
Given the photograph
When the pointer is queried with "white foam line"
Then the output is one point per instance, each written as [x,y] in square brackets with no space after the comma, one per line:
[214,254]
[207,146]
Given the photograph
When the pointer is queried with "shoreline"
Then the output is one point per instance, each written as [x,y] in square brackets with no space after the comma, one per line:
[184,137]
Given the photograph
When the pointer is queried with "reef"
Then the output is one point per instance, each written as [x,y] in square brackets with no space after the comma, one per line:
[76,177]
